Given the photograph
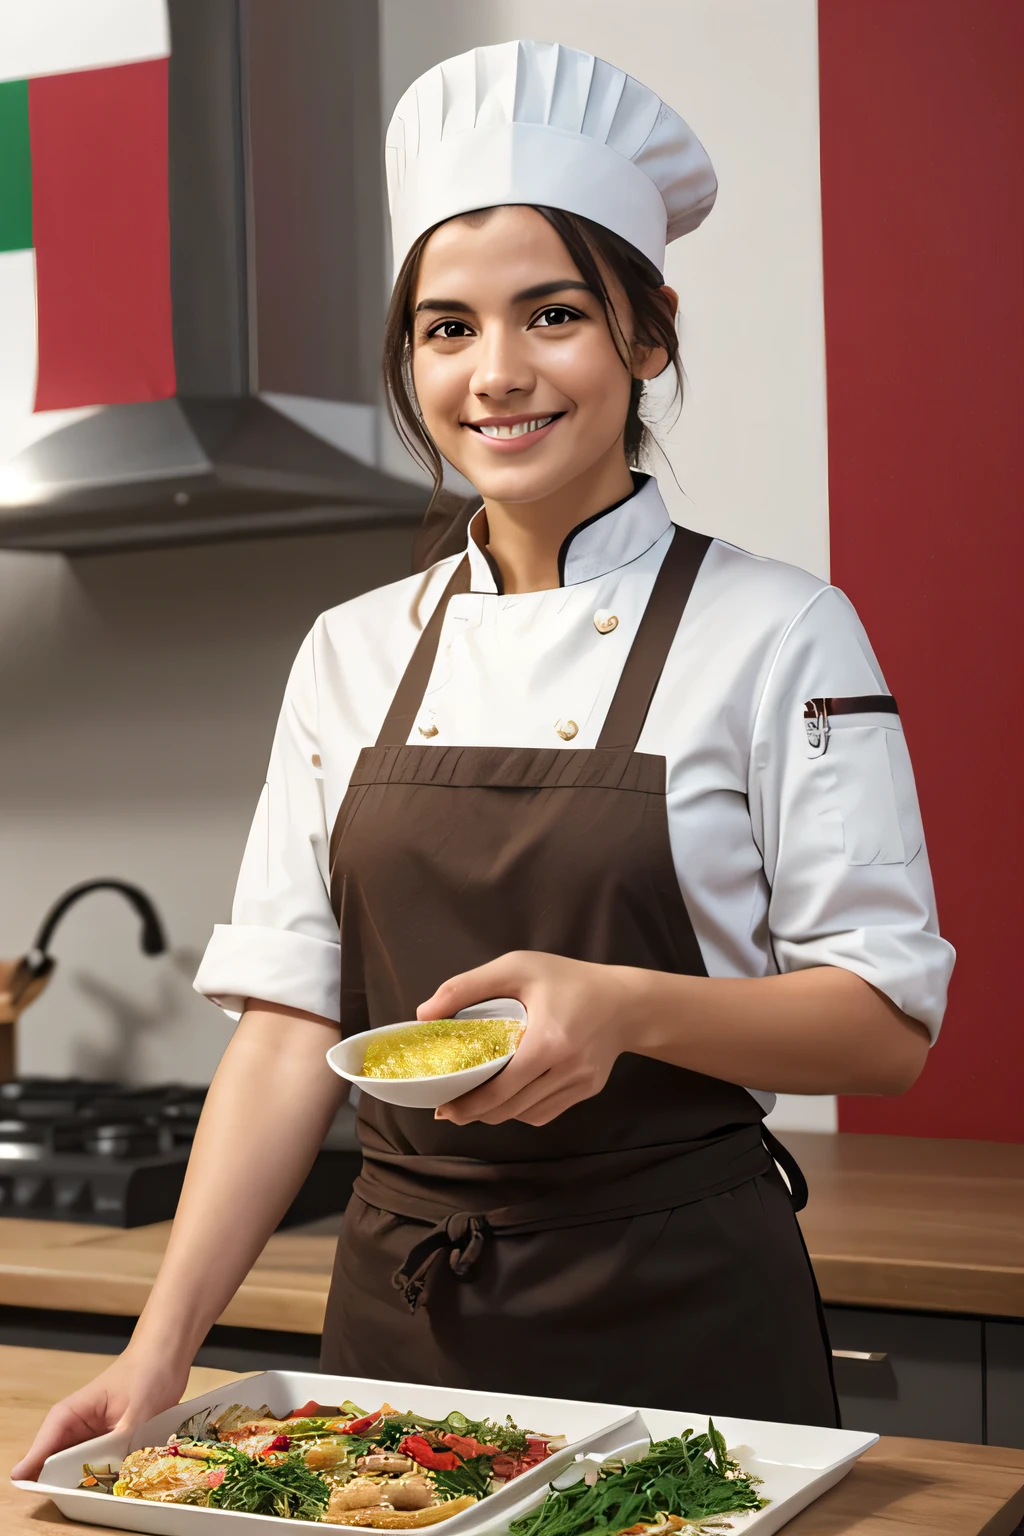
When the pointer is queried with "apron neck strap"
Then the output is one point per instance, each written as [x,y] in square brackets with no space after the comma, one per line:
[653,641]
[405,705]
[640,675]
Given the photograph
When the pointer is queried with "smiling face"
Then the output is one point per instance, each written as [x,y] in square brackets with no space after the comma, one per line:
[517,373]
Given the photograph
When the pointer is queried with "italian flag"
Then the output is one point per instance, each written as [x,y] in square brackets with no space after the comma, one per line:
[85,304]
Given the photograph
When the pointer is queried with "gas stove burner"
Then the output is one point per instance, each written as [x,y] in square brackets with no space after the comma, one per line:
[121,1139]
[28,1089]
[72,1150]
[22,1140]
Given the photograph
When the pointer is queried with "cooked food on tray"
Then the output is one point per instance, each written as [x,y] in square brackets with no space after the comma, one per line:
[342,1466]
[440,1046]
[686,1484]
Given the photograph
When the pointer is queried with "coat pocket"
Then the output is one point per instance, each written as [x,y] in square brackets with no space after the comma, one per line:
[907,808]
[859,759]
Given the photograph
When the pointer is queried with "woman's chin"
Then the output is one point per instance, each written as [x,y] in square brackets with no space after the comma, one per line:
[518,482]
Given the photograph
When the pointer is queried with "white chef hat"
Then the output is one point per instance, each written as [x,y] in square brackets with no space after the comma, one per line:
[537,123]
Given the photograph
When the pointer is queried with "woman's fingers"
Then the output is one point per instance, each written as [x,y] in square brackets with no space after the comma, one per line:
[463,1112]
[503,977]
[508,1084]
[63,1426]
[549,1108]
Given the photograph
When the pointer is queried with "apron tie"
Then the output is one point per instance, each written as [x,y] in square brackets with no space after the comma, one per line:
[463,1234]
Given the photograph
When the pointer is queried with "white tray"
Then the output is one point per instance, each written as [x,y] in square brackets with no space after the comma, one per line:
[797,1462]
[587,1426]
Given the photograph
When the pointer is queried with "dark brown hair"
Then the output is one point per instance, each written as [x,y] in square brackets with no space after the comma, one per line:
[591,246]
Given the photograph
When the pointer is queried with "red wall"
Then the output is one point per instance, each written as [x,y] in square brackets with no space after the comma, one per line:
[922,159]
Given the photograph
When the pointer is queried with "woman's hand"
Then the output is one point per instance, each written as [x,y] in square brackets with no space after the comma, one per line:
[577,1028]
[134,1388]
[820,1030]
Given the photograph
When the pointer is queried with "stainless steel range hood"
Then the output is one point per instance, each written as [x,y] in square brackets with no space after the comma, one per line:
[277,265]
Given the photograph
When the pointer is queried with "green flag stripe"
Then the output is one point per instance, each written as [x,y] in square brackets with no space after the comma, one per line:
[15,167]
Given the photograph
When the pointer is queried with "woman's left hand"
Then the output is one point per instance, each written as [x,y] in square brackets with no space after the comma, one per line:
[578,1026]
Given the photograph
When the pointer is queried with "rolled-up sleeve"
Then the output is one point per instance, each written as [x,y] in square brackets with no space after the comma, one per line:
[840,831]
[281,945]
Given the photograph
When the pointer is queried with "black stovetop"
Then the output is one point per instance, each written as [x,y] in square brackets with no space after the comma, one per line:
[72,1150]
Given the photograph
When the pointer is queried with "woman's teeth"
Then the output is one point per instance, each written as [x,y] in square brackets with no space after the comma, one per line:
[518,428]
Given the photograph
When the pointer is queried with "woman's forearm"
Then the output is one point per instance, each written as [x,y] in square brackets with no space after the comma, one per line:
[823,1030]
[266,1113]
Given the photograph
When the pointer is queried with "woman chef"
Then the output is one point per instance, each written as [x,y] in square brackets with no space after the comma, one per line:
[574,762]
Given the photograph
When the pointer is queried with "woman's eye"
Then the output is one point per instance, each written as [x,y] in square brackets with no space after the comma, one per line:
[450,330]
[556,315]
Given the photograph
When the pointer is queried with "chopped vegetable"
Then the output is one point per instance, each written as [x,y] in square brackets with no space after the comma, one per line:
[684,1479]
[466,1446]
[315,1410]
[361,1425]
[339,1466]
[285,1488]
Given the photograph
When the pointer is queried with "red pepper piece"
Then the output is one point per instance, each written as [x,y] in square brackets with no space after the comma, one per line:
[467,1446]
[508,1466]
[358,1425]
[422,1452]
[313,1410]
[279,1443]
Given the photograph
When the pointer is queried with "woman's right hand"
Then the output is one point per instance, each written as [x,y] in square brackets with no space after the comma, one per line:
[273,1088]
[128,1392]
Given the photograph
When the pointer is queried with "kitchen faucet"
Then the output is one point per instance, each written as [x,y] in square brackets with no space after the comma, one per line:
[22,980]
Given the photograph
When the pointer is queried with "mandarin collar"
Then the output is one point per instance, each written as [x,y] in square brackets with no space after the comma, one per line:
[603,543]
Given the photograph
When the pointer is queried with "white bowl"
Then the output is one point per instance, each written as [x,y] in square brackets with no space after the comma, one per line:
[347,1057]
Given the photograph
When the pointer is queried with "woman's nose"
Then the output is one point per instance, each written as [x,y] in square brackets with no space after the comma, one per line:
[501,366]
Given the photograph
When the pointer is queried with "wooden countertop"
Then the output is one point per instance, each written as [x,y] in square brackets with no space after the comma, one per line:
[900,1488]
[897,1221]
[892,1222]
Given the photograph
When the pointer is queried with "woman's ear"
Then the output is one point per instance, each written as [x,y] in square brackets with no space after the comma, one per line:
[649,362]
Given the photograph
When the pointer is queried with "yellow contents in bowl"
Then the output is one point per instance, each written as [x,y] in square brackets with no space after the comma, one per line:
[440,1046]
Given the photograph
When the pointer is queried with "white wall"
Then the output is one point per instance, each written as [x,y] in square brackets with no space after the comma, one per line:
[749,448]
[139,698]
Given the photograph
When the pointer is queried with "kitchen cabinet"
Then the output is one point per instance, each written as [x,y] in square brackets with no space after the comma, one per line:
[926,1379]
[933,1378]
[1004,1371]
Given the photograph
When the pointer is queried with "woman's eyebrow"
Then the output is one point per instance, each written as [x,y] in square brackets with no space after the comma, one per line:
[538,291]
[545,290]
[448,304]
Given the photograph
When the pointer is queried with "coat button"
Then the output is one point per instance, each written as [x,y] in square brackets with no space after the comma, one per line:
[567,729]
[605,622]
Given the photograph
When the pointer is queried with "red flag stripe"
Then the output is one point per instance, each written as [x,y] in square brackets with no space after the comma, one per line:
[922,116]
[101,232]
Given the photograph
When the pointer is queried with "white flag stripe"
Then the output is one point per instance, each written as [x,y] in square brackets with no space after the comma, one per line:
[18,426]
[50,37]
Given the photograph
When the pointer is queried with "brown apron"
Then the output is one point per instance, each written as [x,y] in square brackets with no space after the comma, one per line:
[642,1247]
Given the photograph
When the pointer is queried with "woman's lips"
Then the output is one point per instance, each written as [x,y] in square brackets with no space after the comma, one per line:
[522,439]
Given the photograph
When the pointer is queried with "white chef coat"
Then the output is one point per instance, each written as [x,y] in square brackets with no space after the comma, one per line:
[785,859]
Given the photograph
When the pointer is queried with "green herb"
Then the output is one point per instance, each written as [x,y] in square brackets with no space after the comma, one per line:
[472,1476]
[507,1437]
[284,1487]
[691,1476]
